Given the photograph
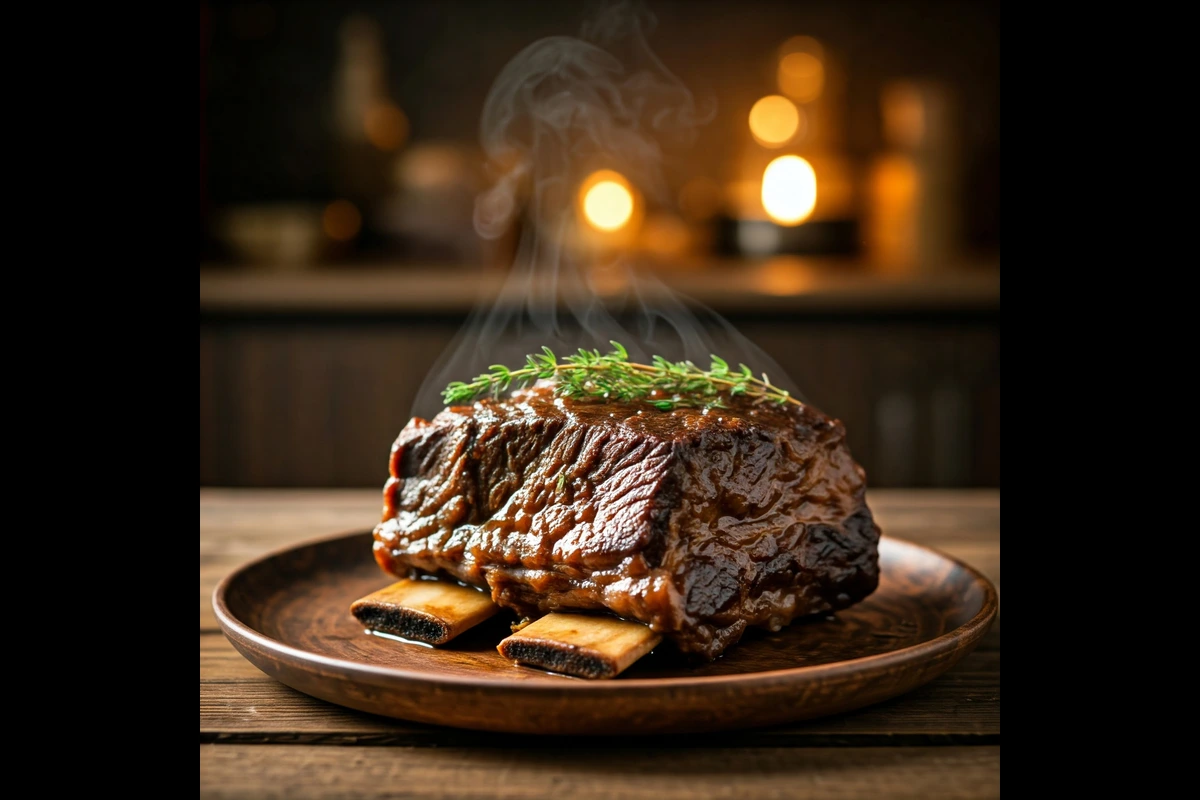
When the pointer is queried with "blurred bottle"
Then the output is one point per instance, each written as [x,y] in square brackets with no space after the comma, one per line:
[369,126]
[912,217]
[431,203]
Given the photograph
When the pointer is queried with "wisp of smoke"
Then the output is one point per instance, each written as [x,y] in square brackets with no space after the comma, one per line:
[561,109]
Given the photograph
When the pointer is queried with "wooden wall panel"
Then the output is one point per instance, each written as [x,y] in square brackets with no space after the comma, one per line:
[293,401]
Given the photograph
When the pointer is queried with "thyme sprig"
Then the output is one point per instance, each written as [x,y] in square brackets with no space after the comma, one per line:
[612,376]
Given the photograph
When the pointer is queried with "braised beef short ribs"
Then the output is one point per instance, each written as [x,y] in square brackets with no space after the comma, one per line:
[696,523]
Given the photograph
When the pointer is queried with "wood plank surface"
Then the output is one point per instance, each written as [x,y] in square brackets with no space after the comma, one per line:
[238,703]
[631,770]
[262,739]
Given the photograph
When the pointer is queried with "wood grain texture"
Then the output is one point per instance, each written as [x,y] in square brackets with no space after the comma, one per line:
[262,739]
[264,772]
[240,703]
[304,400]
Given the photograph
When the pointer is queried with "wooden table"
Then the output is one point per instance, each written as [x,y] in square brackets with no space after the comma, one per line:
[260,739]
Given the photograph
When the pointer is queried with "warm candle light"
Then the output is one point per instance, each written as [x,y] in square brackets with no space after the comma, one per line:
[789,190]
[607,201]
[774,120]
[801,76]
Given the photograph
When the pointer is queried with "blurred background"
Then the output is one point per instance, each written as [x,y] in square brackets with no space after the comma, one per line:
[841,209]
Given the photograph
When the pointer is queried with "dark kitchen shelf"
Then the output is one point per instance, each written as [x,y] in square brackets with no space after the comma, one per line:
[783,284]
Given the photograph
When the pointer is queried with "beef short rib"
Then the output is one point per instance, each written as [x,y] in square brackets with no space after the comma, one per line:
[696,523]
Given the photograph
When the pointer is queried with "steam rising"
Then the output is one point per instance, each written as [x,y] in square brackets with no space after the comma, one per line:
[563,108]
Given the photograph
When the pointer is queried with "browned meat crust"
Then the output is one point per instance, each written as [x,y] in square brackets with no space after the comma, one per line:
[697,524]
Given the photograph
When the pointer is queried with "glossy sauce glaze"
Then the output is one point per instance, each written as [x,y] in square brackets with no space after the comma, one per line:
[696,523]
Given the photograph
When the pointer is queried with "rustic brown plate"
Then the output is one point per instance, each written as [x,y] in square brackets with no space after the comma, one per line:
[288,613]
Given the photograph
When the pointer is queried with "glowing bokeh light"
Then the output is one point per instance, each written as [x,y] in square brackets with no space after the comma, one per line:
[789,190]
[774,120]
[607,201]
[341,220]
[386,126]
[801,76]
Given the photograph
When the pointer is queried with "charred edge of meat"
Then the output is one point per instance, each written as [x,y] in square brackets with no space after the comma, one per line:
[556,658]
[402,622]
[750,517]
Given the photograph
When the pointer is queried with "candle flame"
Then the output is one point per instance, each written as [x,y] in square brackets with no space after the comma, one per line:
[607,201]
[789,190]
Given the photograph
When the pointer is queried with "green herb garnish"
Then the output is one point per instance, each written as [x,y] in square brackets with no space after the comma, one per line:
[612,376]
